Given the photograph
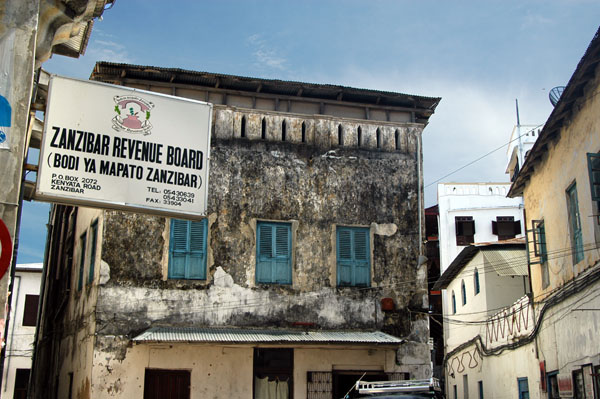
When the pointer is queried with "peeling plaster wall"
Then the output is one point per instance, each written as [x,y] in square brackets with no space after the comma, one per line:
[210,366]
[316,185]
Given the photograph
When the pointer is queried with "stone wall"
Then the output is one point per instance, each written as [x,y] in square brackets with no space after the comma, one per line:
[306,176]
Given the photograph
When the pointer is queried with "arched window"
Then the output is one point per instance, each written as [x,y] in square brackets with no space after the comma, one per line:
[397,139]
[476,281]
[463,291]
[340,135]
[283,130]
[453,303]
[243,127]
[303,132]
[359,133]
[263,130]
[378,137]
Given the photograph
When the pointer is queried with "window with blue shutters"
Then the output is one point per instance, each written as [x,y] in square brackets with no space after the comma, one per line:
[575,224]
[274,253]
[353,257]
[187,250]
[594,172]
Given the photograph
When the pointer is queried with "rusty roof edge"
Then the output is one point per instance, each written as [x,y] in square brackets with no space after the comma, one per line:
[563,106]
[429,103]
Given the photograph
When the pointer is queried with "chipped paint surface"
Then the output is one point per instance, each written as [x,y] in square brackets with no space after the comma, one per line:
[323,173]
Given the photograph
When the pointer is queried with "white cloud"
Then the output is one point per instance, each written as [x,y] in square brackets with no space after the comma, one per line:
[265,54]
[108,50]
[472,119]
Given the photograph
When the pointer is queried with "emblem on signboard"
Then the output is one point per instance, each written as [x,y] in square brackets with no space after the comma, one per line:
[133,115]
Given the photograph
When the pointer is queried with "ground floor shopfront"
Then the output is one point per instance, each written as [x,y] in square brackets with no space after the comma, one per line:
[195,367]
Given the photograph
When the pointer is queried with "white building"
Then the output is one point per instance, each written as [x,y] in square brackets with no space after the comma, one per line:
[487,309]
[475,213]
[19,342]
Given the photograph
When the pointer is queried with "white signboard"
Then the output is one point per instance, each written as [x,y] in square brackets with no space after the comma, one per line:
[115,147]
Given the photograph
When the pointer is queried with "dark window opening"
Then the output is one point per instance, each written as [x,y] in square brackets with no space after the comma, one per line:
[505,227]
[159,384]
[283,130]
[463,291]
[476,281]
[263,129]
[93,244]
[21,383]
[243,127]
[359,133]
[340,135]
[453,303]
[273,372]
[70,396]
[465,230]
[397,140]
[378,137]
[83,241]
[30,310]
[303,132]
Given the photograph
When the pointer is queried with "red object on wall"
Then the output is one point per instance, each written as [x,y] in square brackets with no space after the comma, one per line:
[7,248]
[387,304]
[543,375]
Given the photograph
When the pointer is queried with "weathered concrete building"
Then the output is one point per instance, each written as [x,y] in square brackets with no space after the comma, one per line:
[305,273]
[560,185]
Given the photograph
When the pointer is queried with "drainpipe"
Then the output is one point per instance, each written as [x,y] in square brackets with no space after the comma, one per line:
[419,200]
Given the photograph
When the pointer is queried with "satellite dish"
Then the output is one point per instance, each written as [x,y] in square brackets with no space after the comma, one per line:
[555,94]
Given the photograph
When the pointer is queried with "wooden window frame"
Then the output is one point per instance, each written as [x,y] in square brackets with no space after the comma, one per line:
[461,223]
[273,267]
[191,252]
[353,262]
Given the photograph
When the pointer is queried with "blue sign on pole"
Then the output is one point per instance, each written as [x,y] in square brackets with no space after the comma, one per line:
[5,117]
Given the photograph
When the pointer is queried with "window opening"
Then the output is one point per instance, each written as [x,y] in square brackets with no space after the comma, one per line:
[274,253]
[465,230]
[575,224]
[505,227]
[283,130]
[523,388]
[303,132]
[378,137]
[243,127]
[594,173]
[159,384]
[476,281]
[93,244]
[82,241]
[480,389]
[465,386]
[463,290]
[263,129]
[453,303]
[187,250]
[539,249]
[353,257]
[340,135]
[273,373]
[359,134]
[30,310]
[397,139]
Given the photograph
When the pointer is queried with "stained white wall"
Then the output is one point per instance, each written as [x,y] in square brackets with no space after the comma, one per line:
[19,342]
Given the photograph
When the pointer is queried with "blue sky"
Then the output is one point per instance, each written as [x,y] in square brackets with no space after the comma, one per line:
[479,56]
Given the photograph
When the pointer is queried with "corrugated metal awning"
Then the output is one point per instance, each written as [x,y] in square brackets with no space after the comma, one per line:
[507,261]
[235,335]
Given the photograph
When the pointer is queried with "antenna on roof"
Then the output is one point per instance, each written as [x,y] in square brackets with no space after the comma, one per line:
[555,94]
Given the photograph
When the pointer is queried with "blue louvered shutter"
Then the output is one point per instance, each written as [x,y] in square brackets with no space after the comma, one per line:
[594,172]
[362,258]
[353,257]
[273,263]
[344,256]
[197,251]
[187,254]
